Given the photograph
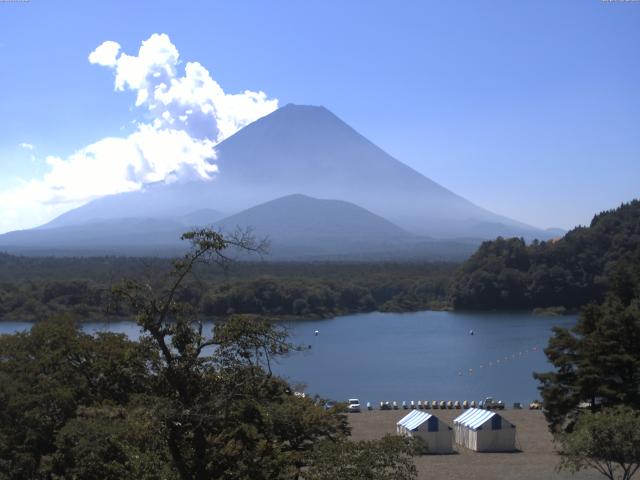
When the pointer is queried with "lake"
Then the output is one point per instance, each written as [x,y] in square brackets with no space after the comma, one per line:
[409,356]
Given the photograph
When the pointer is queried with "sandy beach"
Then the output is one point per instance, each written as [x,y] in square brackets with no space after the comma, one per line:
[536,458]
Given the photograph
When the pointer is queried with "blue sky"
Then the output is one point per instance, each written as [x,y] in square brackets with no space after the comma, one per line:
[530,108]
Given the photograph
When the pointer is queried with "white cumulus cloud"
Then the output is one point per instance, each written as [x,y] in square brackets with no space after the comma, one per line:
[186,114]
[105,54]
[193,102]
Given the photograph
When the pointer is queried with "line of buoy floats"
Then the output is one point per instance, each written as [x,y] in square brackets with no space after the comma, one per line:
[490,364]
[499,361]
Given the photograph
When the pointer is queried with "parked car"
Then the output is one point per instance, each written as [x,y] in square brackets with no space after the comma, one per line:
[488,403]
[443,405]
[456,404]
[465,404]
[499,405]
[517,406]
[354,405]
[385,406]
[426,404]
[535,405]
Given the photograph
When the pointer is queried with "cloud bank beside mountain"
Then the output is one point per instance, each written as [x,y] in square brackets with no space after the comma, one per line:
[186,114]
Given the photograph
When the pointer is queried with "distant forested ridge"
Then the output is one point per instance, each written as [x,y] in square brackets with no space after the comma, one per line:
[34,288]
[570,272]
[503,274]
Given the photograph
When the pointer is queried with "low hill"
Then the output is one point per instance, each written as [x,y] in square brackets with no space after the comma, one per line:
[299,219]
[298,228]
[569,272]
[304,228]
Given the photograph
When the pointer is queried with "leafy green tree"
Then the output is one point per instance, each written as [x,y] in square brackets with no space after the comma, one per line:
[109,442]
[389,458]
[46,375]
[607,441]
[223,413]
[597,361]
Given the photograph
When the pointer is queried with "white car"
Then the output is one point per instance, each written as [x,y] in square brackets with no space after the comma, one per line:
[354,405]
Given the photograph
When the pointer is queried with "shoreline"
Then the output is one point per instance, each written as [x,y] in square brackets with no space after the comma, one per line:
[105,318]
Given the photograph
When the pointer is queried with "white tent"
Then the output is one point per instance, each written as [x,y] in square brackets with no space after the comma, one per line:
[437,434]
[484,431]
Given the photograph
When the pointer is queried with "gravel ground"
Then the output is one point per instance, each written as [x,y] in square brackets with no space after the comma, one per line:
[536,458]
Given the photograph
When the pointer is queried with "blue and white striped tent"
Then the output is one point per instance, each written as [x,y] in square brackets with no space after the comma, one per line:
[437,434]
[484,431]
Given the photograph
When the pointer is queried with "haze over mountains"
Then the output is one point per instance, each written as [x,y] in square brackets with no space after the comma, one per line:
[342,194]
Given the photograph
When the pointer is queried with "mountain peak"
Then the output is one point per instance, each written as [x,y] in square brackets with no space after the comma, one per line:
[307,108]
[301,116]
[306,149]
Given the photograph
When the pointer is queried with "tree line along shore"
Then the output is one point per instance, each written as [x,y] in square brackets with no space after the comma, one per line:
[34,288]
[504,274]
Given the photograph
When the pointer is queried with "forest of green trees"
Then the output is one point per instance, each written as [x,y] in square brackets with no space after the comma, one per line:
[570,272]
[35,288]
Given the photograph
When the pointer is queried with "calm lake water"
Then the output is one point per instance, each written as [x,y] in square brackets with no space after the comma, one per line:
[409,356]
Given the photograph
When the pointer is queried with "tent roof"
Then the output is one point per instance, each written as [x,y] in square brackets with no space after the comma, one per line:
[414,419]
[474,418]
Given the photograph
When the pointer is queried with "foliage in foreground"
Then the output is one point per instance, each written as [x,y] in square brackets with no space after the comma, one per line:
[387,459]
[178,404]
[592,397]
[608,441]
[597,361]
